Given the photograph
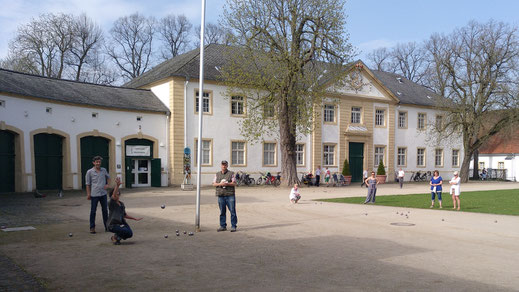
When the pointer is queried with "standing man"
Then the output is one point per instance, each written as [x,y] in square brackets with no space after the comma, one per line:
[225,181]
[401,175]
[97,181]
[317,175]
[364,177]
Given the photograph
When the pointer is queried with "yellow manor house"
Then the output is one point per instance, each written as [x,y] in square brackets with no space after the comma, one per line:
[50,129]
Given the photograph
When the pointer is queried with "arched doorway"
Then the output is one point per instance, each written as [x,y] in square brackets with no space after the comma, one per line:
[48,161]
[92,146]
[7,161]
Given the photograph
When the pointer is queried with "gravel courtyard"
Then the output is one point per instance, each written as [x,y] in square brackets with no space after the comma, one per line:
[310,246]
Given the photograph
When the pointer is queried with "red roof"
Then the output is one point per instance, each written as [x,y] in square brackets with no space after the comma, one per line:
[501,144]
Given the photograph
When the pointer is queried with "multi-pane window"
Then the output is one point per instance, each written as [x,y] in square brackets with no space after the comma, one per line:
[379,155]
[300,154]
[237,105]
[380,116]
[329,113]
[269,153]
[438,157]
[206,152]
[402,119]
[401,156]
[481,165]
[455,157]
[420,157]
[355,115]
[329,155]
[439,122]
[268,110]
[238,153]
[501,165]
[421,121]
[206,108]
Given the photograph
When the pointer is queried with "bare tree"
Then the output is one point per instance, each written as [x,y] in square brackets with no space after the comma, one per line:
[410,60]
[380,59]
[214,34]
[481,64]
[175,32]
[131,44]
[287,50]
[88,40]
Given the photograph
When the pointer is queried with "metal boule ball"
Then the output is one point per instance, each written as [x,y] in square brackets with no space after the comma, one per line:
[178,234]
[163,206]
[495,221]
[165,236]
[191,234]
[176,231]
[70,234]
[185,232]
[443,219]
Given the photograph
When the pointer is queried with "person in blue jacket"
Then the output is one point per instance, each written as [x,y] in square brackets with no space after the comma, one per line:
[436,188]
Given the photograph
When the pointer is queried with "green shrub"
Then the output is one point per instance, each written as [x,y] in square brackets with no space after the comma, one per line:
[380,169]
[346,168]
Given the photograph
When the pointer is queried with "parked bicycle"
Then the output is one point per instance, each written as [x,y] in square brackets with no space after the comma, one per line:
[268,179]
[243,178]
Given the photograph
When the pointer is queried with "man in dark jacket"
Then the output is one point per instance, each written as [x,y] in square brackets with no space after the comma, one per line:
[225,181]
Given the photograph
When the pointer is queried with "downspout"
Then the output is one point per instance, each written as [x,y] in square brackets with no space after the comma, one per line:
[185,111]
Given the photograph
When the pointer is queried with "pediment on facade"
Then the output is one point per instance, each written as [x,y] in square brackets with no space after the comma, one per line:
[357,130]
[359,81]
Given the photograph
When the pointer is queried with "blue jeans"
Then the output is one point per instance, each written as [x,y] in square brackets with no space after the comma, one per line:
[229,202]
[439,196]
[123,231]
[93,209]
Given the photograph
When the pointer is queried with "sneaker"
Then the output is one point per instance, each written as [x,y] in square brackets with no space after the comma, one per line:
[233,229]
[221,229]
[92,231]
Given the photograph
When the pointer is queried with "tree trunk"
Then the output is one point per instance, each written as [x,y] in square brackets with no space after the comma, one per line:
[475,172]
[465,166]
[288,147]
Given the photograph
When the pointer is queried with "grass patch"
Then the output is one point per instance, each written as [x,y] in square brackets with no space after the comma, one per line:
[503,202]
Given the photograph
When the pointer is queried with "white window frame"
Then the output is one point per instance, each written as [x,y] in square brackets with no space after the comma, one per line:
[436,157]
[237,104]
[402,124]
[375,154]
[424,157]
[300,153]
[329,113]
[356,116]
[401,156]
[455,162]
[380,118]
[327,153]
[208,150]
[500,165]
[481,165]
[422,121]
[209,99]
[269,111]
[244,153]
[269,152]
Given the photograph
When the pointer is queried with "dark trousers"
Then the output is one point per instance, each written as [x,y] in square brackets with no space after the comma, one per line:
[93,209]
[401,181]
[227,202]
[122,231]
[317,179]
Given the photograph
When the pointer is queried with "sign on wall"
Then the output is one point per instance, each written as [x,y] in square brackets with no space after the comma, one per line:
[138,150]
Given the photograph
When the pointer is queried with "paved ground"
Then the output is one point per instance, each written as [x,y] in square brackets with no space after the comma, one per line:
[278,247]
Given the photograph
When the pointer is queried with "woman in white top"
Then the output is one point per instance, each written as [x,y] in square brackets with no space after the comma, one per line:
[455,190]
[294,194]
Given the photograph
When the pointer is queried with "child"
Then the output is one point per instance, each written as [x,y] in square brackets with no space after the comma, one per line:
[327,176]
[116,222]
[294,194]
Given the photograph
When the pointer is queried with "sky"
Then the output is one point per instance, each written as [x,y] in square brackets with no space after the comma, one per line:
[371,24]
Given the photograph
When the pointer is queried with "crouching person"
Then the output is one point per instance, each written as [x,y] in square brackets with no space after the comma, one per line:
[294,194]
[116,220]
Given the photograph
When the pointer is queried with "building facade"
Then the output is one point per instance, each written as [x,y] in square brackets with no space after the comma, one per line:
[380,116]
[50,129]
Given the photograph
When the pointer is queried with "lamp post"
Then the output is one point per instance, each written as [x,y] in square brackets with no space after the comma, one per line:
[200,119]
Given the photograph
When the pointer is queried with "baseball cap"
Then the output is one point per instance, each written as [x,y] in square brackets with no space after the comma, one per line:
[225,162]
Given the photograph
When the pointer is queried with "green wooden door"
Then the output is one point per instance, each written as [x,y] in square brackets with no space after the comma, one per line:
[90,147]
[129,177]
[7,156]
[356,161]
[155,172]
[48,161]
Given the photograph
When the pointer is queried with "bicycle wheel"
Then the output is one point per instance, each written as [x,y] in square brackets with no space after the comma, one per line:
[259,181]
[251,181]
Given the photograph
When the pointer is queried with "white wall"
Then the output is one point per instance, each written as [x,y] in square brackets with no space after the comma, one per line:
[412,138]
[30,114]
[162,92]
[492,161]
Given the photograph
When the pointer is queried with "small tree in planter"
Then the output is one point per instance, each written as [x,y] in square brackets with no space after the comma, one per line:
[346,172]
[381,173]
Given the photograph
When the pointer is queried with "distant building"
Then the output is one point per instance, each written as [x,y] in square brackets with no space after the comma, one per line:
[383,116]
[500,156]
[50,129]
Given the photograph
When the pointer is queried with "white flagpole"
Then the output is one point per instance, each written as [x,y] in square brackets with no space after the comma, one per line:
[200,116]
